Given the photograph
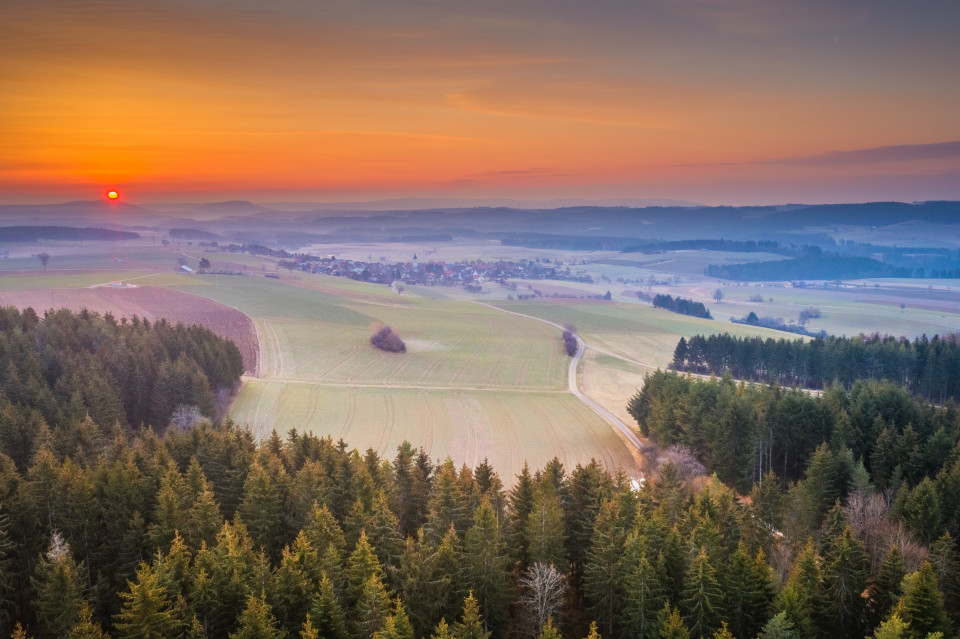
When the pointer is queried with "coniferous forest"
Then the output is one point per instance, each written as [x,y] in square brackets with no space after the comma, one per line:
[126,529]
[929,367]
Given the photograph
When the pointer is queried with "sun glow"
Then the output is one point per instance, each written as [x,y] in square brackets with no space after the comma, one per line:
[112,195]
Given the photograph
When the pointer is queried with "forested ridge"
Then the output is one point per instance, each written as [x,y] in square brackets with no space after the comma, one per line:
[62,234]
[929,367]
[205,532]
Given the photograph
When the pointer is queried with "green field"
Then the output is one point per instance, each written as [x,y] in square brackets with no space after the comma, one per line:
[476,382]
[637,332]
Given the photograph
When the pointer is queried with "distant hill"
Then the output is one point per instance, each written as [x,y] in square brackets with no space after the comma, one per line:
[62,233]
[792,226]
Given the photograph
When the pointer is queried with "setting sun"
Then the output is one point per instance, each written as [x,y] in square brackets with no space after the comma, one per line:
[112,195]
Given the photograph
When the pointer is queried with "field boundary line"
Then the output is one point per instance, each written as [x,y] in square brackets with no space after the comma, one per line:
[421,387]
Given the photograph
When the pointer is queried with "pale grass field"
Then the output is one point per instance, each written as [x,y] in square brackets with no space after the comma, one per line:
[475,382]
[507,428]
[611,382]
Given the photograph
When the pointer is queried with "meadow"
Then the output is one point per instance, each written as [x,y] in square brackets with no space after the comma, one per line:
[476,382]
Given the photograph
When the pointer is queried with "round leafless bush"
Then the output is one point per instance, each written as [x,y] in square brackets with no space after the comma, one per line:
[386,340]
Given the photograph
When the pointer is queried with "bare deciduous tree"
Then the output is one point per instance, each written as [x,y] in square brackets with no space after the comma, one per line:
[185,417]
[543,590]
[44,258]
[685,461]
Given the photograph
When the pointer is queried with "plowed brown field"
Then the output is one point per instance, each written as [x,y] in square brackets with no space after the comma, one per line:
[151,303]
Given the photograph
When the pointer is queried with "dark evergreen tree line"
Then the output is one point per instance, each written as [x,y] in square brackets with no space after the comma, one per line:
[929,367]
[825,267]
[64,367]
[681,305]
[742,432]
[206,533]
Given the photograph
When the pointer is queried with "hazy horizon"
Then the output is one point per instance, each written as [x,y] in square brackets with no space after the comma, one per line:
[721,102]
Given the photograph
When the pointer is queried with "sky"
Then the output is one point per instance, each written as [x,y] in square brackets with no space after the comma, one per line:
[712,101]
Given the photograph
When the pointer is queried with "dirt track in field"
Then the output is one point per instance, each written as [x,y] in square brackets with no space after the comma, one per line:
[150,303]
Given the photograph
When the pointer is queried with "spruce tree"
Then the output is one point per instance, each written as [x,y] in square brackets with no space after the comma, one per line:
[485,566]
[884,590]
[362,565]
[447,504]
[370,613]
[604,580]
[844,580]
[470,625]
[398,625]
[946,563]
[544,530]
[723,632]
[549,631]
[521,505]
[748,592]
[801,599]
[86,627]
[326,614]
[257,621]
[922,513]
[147,611]
[670,624]
[59,587]
[261,508]
[702,597]
[921,606]
[779,627]
[643,594]
[442,631]
[893,628]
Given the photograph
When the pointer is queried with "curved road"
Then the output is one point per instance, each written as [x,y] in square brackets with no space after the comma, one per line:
[607,416]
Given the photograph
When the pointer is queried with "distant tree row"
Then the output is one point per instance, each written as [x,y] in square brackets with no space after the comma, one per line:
[929,367]
[733,246]
[826,267]
[66,366]
[777,324]
[681,305]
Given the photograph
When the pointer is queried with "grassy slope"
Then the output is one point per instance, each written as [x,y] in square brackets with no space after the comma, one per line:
[474,383]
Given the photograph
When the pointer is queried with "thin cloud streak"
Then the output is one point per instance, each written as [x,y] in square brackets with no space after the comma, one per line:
[876,155]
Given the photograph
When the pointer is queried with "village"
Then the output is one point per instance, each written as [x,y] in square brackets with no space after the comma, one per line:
[470,275]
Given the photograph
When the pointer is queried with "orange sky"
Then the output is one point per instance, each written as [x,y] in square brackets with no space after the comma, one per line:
[716,101]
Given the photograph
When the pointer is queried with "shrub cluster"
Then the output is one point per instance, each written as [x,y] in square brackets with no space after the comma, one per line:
[570,341]
[386,340]
[682,305]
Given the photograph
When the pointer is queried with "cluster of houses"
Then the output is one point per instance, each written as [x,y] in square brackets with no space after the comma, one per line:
[467,274]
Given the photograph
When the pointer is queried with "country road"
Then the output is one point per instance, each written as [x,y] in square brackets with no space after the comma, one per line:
[574,388]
